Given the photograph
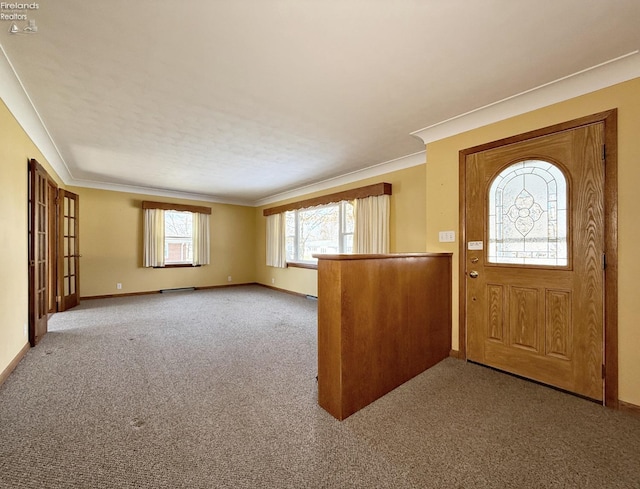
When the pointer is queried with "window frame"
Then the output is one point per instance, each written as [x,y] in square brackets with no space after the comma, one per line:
[166,242]
[313,263]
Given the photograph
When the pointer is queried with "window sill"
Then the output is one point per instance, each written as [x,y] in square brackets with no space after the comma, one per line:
[180,265]
[300,264]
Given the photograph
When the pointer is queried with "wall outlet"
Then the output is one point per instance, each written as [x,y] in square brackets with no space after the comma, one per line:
[447,236]
[118,286]
[25,331]
[229,278]
[273,280]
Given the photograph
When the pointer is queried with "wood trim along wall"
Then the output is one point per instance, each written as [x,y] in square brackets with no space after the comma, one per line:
[355,193]
[299,264]
[462,254]
[14,363]
[148,204]
[629,408]
[285,291]
[610,120]
[110,296]
[131,294]
[149,292]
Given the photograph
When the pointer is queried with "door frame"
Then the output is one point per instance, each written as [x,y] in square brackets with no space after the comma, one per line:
[610,340]
[53,246]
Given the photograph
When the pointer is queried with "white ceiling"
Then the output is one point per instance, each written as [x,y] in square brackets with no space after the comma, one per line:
[242,100]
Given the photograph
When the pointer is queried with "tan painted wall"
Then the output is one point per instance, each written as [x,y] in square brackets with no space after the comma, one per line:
[442,202]
[111,246]
[407,227]
[15,150]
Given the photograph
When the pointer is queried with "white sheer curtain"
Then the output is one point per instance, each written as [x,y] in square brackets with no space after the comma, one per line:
[371,230]
[153,255]
[200,236]
[276,241]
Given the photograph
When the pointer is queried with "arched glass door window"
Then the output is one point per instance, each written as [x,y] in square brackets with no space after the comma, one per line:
[528,215]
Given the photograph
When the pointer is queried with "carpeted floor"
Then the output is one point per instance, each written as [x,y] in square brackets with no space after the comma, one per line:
[217,388]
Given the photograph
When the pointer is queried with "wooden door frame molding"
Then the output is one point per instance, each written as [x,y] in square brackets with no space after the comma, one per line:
[53,245]
[610,120]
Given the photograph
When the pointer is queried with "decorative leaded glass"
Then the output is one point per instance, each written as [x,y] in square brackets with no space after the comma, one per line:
[528,215]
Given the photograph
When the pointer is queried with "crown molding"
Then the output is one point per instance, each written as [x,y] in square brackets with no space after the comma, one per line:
[617,70]
[19,103]
[396,164]
[160,192]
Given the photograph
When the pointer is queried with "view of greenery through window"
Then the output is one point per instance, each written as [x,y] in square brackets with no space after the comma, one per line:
[322,229]
[178,242]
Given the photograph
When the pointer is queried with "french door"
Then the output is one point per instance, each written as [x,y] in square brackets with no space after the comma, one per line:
[68,250]
[53,226]
[38,226]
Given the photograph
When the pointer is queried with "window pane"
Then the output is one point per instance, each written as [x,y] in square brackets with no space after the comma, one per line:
[349,221]
[290,223]
[318,231]
[347,243]
[178,242]
[528,215]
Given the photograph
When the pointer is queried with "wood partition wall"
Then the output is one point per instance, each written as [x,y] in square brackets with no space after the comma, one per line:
[382,319]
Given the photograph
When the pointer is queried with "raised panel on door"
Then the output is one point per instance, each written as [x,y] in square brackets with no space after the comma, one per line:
[524,330]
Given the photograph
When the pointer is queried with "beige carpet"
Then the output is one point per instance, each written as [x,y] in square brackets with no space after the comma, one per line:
[217,388]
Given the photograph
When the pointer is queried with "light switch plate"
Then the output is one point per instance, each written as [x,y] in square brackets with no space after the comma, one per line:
[447,236]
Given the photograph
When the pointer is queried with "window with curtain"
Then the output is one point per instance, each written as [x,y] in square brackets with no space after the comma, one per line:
[322,229]
[175,235]
[351,221]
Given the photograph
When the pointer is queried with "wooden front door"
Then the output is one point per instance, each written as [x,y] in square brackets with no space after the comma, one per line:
[534,228]
[68,250]
[38,207]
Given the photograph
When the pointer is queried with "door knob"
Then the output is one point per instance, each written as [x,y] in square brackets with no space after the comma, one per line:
[473,274]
